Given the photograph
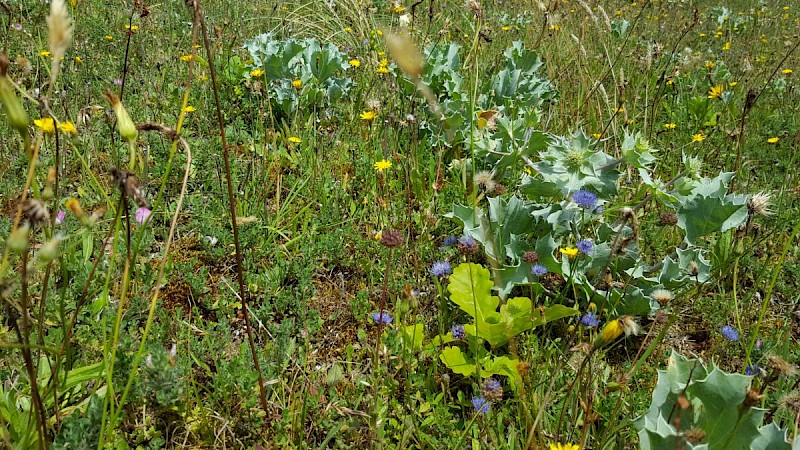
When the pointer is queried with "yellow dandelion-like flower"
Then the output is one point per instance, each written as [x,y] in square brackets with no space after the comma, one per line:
[699,137]
[348,30]
[131,27]
[710,65]
[610,332]
[399,9]
[190,108]
[382,165]
[354,62]
[295,140]
[46,124]
[669,126]
[554,27]
[368,116]
[506,28]
[597,136]
[702,35]
[786,71]
[560,446]
[68,128]
[379,32]
[733,83]
[670,82]
[382,70]
[44,53]
[202,78]
[108,38]
[716,91]
[297,84]
[255,73]
[570,252]
[186,58]
[726,47]
[773,140]
[78,60]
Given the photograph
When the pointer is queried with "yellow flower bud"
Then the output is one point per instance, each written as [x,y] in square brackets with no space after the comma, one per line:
[127,129]
[610,333]
[17,117]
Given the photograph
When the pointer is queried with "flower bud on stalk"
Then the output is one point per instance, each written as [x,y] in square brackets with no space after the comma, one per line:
[17,117]
[127,129]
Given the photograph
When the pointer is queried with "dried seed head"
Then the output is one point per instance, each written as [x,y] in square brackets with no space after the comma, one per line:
[59,25]
[530,257]
[405,53]
[35,211]
[791,402]
[753,397]
[475,7]
[662,296]
[693,269]
[759,204]
[668,219]
[484,180]
[392,238]
[780,366]
[695,435]
[629,325]
[127,184]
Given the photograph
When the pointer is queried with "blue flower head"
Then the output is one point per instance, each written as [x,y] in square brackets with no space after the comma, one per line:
[584,199]
[481,405]
[590,320]
[458,332]
[585,246]
[729,333]
[752,370]
[441,269]
[449,241]
[492,384]
[382,317]
[538,270]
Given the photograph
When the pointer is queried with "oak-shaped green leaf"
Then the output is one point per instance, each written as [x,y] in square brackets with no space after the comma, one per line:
[456,361]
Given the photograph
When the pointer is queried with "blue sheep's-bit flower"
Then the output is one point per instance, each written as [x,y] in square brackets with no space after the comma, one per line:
[538,270]
[729,333]
[584,199]
[481,405]
[585,246]
[382,317]
[441,269]
[449,241]
[590,320]
[458,332]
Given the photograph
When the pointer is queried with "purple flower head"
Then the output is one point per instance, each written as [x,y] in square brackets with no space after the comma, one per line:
[60,217]
[118,81]
[467,245]
[481,405]
[382,317]
[141,215]
[493,384]
[449,241]
[18,26]
[458,332]
[752,370]
[585,246]
[590,320]
[538,270]
[584,199]
[441,269]
[729,333]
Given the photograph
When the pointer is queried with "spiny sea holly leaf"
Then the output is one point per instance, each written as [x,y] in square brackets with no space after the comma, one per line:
[701,216]
[572,163]
[636,151]
[716,407]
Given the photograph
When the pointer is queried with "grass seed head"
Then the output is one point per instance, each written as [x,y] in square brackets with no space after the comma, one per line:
[59,25]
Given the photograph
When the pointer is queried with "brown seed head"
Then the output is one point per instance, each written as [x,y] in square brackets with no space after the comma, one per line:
[392,238]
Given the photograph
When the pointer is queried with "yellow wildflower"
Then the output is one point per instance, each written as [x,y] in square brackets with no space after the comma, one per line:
[669,126]
[379,32]
[726,47]
[132,27]
[733,83]
[786,71]
[699,137]
[506,28]
[348,30]
[710,65]
[399,9]
[368,116]
[255,73]
[190,108]
[560,446]
[202,78]
[354,62]
[597,136]
[382,165]
[773,140]
[571,252]
[78,60]
[609,333]
[186,58]
[382,70]
[554,27]
[297,84]
[44,53]
[716,91]
[108,37]
[68,127]
[46,124]
[295,140]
